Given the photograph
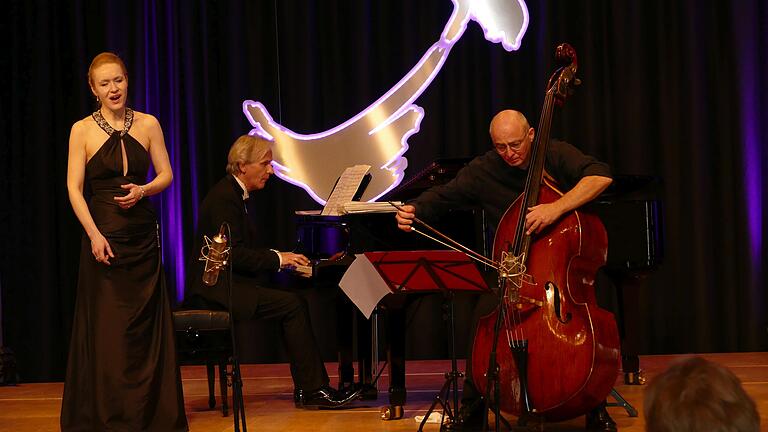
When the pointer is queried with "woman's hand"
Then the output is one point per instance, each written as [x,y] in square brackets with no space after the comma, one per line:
[135,193]
[101,250]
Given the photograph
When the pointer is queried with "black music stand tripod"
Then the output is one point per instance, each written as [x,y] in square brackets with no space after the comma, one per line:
[439,265]
[451,385]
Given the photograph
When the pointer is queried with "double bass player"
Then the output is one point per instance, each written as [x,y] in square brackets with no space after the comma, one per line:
[492,181]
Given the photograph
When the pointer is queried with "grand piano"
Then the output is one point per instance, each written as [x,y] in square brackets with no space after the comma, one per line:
[631,212]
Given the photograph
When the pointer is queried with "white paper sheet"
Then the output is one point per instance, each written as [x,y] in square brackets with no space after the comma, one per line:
[345,189]
[363,285]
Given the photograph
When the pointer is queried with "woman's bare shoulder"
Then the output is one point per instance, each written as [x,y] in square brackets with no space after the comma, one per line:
[145,128]
[144,118]
[83,125]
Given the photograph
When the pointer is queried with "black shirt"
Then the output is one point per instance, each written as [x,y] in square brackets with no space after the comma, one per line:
[490,183]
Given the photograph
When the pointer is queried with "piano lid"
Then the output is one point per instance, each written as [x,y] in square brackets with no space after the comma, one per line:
[632,212]
[440,171]
[633,187]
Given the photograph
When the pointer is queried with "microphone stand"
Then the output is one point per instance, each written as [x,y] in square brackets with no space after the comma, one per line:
[492,374]
[519,351]
[238,406]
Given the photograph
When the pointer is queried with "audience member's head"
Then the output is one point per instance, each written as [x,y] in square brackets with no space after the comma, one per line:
[697,395]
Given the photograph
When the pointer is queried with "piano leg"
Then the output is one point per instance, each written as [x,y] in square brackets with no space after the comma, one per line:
[627,286]
[345,313]
[628,289]
[366,360]
[396,360]
[351,322]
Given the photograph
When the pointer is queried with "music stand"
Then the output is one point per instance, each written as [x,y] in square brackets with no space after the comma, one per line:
[433,271]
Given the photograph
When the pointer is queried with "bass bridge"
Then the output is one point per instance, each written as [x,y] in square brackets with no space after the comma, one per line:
[512,276]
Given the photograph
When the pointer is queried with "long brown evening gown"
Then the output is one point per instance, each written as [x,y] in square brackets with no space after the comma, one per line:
[122,373]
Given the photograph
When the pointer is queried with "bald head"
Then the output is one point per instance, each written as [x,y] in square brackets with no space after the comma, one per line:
[508,122]
[512,136]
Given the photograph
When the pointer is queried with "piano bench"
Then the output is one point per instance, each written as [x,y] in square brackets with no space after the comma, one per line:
[203,337]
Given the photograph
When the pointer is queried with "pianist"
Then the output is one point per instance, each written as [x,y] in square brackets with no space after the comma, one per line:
[249,167]
[492,182]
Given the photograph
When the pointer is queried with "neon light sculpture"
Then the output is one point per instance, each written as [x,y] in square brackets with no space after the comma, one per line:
[378,136]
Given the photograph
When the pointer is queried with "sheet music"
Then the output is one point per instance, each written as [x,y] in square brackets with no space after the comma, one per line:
[370,207]
[345,189]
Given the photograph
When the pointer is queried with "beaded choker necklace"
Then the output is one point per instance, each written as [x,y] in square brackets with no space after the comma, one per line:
[104,124]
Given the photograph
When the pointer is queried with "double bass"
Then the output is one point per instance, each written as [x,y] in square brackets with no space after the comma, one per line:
[556,352]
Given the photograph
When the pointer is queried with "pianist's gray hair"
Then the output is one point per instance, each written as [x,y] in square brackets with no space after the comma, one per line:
[245,150]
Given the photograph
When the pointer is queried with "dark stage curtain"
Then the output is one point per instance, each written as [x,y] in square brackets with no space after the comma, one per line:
[670,89]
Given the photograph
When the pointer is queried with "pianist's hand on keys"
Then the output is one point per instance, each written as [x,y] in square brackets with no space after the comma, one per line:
[303,271]
[295,262]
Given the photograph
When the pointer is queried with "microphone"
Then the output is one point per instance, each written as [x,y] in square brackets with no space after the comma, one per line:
[215,253]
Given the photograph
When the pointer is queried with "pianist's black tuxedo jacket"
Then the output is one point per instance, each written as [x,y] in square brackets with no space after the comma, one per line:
[250,262]
[251,295]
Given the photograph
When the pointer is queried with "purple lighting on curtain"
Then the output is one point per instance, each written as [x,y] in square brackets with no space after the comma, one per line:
[749,66]
[750,56]
[161,99]
[172,214]
[752,175]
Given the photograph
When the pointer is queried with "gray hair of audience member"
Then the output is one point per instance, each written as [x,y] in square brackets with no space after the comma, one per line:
[246,149]
[698,395]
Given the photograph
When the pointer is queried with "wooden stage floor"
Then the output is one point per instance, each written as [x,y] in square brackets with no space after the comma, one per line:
[269,399]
